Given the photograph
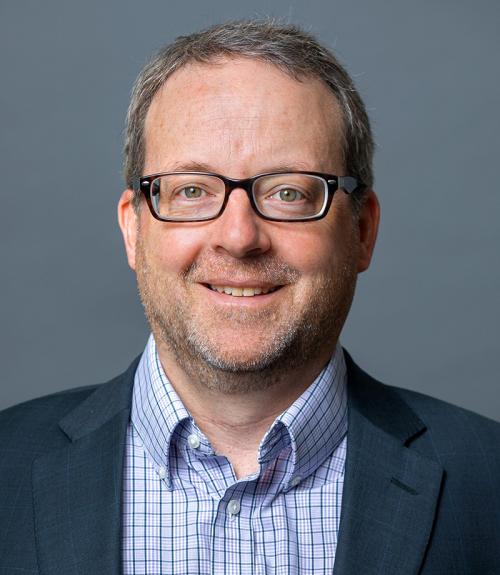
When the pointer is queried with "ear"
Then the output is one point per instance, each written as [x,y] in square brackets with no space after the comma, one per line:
[128,220]
[368,221]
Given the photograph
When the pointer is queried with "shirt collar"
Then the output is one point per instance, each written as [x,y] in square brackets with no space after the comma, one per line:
[157,410]
[315,423]
[313,426]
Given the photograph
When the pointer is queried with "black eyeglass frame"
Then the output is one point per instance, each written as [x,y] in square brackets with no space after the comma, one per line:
[348,184]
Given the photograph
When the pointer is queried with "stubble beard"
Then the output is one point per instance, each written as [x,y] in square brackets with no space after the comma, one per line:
[296,339]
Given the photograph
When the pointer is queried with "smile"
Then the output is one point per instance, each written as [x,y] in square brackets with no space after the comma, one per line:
[242,291]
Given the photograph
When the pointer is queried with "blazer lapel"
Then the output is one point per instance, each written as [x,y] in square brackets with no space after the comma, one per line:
[77,489]
[390,491]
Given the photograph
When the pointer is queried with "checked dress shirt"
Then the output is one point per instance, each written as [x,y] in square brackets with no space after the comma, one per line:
[184,511]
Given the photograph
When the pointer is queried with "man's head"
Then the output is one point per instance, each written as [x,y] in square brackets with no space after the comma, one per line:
[222,101]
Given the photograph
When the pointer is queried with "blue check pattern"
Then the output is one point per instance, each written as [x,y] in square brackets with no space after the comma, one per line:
[184,512]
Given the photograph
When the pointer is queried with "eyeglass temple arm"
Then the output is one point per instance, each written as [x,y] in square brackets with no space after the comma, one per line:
[347,183]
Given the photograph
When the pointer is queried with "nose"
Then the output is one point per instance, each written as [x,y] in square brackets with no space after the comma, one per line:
[239,231]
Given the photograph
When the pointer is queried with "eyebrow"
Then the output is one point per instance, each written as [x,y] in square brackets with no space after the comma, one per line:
[201,167]
[190,167]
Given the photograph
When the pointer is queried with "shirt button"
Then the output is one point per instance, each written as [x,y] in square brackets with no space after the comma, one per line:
[194,441]
[233,507]
[295,481]
[162,472]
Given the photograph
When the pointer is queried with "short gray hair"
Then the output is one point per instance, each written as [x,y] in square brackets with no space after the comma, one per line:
[289,48]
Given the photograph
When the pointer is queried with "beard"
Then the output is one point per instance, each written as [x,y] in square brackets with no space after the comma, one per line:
[268,344]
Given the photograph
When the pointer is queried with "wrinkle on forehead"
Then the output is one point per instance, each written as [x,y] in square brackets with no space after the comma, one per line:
[213,110]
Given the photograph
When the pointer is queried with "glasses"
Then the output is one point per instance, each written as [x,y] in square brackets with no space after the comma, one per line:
[275,196]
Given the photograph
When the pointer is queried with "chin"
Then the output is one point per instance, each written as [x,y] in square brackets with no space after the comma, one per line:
[236,360]
[237,353]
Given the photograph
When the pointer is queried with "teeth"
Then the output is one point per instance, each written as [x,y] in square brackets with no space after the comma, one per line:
[239,292]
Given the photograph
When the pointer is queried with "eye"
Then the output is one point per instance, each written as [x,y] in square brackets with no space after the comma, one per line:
[192,192]
[288,195]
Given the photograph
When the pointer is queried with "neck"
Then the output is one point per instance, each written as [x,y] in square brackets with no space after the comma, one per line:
[237,411]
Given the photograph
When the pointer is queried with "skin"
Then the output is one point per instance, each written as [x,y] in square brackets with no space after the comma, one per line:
[237,362]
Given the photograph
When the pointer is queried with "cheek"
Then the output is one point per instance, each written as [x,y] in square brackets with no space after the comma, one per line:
[172,247]
[318,248]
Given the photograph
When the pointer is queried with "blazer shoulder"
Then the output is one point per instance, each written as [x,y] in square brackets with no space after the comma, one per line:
[34,427]
[450,420]
[33,421]
[436,414]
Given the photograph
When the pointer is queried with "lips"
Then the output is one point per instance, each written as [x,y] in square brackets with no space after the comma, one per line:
[246,291]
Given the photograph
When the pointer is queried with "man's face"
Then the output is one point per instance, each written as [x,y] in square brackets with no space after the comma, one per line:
[239,118]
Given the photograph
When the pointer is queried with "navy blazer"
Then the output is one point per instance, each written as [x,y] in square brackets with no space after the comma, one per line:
[421,492]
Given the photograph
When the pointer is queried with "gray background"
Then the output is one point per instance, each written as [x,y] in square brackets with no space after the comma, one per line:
[425,315]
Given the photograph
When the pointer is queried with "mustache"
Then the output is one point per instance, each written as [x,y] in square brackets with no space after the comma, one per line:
[263,268]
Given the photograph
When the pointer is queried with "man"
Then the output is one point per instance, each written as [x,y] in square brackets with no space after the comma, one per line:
[244,439]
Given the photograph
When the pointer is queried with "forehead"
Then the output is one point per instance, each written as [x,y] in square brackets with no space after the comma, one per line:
[243,115]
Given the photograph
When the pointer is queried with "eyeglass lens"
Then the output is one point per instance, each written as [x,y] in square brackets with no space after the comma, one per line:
[198,196]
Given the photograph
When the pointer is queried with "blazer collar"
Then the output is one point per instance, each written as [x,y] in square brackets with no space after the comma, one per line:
[390,490]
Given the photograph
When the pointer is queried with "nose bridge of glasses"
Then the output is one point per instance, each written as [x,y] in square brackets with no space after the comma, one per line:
[246,184]
[232,184]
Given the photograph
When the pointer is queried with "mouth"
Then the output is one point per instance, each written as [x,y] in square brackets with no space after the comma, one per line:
[246,291]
